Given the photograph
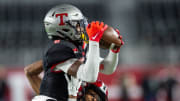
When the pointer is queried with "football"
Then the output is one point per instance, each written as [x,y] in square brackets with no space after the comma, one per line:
[104,44]
[109,36]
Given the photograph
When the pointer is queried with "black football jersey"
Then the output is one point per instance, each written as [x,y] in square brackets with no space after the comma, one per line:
[54,84]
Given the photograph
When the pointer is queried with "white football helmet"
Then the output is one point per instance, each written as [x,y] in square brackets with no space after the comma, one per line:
[62,20]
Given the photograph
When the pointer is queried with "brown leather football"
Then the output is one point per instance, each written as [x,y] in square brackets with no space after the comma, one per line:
[109,36]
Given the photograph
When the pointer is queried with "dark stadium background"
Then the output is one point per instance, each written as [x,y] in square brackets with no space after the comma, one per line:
[148,62]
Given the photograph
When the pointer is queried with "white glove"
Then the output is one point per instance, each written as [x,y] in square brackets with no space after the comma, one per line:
[73,85]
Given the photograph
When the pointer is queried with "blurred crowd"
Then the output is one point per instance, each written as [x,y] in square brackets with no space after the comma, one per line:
[163,85]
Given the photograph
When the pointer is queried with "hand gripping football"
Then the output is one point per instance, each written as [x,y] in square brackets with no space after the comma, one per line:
[110,36]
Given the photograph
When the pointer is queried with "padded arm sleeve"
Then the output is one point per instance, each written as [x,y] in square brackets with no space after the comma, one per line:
[89,71]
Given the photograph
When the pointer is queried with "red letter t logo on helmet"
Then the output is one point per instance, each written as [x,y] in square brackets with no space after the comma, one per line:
[61,18]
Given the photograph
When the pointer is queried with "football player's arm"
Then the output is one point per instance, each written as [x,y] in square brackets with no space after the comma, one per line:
[110,62]
[32,72]
[89,71]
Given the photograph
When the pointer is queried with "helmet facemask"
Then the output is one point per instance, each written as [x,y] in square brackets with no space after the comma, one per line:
[80,29]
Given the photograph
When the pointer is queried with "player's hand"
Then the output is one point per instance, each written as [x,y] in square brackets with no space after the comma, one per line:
[73,85]
[114,48]
[95,30]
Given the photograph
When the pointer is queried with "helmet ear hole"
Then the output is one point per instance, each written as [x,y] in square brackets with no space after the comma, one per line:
[47,24]
[66,30]
[53,13]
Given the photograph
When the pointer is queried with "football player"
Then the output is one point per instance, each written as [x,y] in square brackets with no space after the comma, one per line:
[66,62]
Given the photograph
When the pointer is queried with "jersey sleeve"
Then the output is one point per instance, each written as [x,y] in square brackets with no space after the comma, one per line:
[58,54]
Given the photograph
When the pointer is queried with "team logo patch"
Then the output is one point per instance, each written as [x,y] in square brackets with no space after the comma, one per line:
[62,15]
